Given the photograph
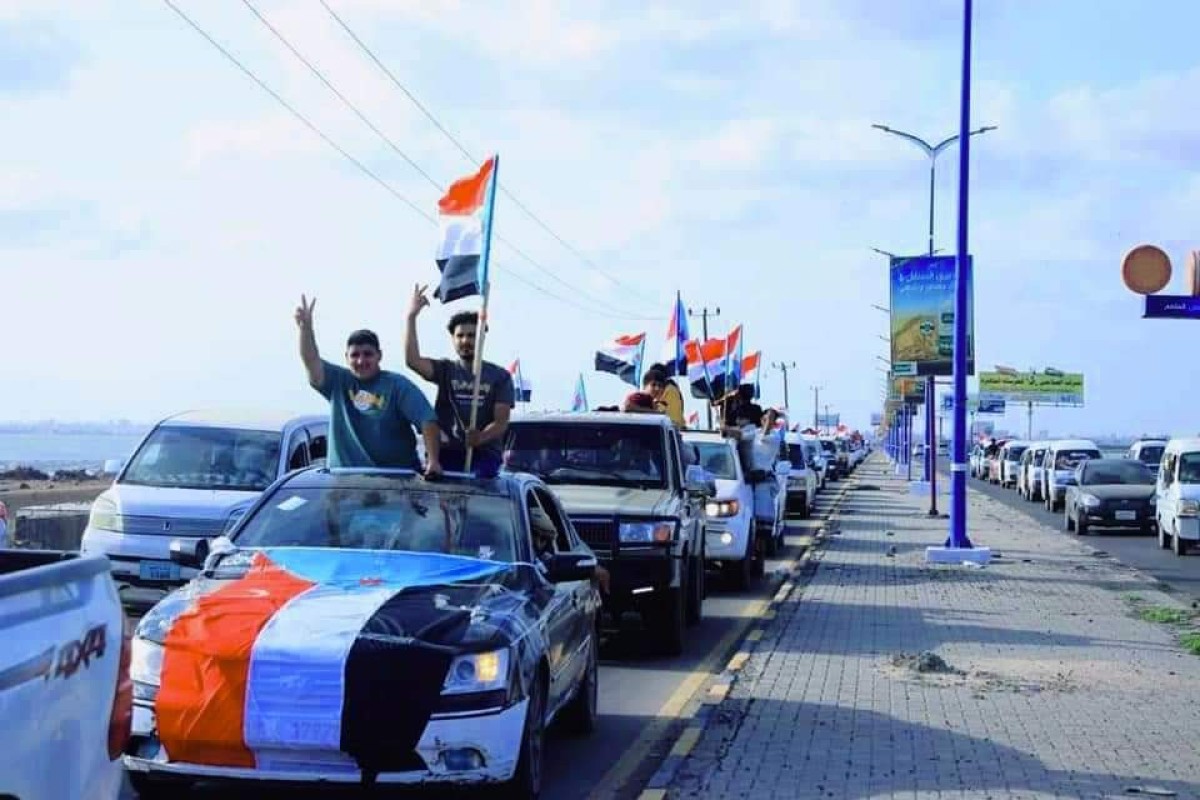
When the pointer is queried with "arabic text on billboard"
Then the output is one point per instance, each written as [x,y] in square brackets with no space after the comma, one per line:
[922,296]
[907,390]
[1034,387]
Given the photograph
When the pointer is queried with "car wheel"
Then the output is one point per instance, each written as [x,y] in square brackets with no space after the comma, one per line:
[1163,541]
[1081,527]
[580,716]
[805,506]
[769,546]
[672,620]
[743,574]
[695,594]
[758,562]
[526,782]
[1178,545]
[1068,523]
[153,788]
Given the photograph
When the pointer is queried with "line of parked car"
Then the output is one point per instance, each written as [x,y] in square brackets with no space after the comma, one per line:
[277,595]
[1154,487]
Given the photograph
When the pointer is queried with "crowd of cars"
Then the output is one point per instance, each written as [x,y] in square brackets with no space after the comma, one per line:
[281,600]
[1153,487]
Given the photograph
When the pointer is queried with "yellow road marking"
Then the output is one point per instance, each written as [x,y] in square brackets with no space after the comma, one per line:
[768,615]
[717,692]
[619,772]
[653,794]
[737,662]
[754,635]
[687,741]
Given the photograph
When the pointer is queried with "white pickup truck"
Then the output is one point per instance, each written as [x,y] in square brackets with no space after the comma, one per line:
[66,701]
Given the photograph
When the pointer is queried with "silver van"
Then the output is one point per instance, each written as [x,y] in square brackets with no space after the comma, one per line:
[191,477]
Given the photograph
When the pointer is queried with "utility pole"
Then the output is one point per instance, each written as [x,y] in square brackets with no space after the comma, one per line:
[783,367]
[816,407]
[704,315]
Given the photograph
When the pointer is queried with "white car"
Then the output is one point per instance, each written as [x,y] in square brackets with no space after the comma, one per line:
[1177,496]
[729,541]
[802,481]
[1029,471]
[1010,462]
[1063,457]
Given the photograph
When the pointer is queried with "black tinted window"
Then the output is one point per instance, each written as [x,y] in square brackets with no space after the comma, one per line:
[623,455]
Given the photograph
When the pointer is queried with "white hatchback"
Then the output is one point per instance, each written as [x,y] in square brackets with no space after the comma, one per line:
[729,541]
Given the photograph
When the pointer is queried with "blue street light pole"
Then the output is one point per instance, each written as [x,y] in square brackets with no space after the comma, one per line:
[931,438]
[958,466]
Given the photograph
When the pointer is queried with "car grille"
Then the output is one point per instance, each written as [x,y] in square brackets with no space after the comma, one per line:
[172,526]
[597,533]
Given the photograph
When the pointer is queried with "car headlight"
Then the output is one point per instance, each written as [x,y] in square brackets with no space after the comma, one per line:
[145,668]
[477,672]
[105,516]
[1089,500]
[1188,508]
[646,532]
[722,508]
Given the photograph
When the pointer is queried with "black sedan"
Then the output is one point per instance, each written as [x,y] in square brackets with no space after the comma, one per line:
[1110,493]
[363,626]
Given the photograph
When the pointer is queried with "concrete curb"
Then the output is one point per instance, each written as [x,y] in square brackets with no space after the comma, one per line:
[657,786]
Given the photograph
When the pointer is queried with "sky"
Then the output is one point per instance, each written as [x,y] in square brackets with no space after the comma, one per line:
[160,214]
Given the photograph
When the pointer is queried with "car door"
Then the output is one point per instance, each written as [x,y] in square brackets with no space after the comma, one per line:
[560,615]
[690,515]
[1163,497]
[295,451]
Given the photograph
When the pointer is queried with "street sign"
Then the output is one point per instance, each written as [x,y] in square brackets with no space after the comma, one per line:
[1171,306]
[905,369]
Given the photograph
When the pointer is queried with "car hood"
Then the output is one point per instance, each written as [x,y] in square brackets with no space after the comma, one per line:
[609,500]
[1120,491]
[159,501]
[304,646]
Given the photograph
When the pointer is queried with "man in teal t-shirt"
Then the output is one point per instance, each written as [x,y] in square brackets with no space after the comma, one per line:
[372,412]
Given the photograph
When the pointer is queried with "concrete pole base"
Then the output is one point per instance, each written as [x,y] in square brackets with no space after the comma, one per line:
[958,555]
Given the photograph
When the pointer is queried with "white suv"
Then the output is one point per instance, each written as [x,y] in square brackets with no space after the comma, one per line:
[729,541]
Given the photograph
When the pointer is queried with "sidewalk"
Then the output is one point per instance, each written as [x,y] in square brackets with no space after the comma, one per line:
[1051,685]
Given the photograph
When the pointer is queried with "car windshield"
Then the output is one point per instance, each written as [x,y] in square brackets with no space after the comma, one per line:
[1151,453]
[1110,472]
[594,453]
[1070,459]
[194,457]
[1189,468]
[1014,453]
[389,518]
[828,446]
[719,459]
[797,454]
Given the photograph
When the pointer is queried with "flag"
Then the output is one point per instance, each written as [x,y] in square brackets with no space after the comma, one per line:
[464,223]
[733,358]
[623,358]
[674,355]
[579,402]
[750,371]
[706,368]
[522,388]
[693,419]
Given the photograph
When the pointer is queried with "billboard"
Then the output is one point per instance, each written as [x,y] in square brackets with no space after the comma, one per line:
[907,390]
[876,420]
[1040,388]
[828,420]
[976,403]
[922,301]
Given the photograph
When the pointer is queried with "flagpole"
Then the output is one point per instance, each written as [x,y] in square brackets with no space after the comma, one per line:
[486,289]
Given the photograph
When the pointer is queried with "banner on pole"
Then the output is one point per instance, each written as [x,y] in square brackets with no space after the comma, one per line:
[922,316]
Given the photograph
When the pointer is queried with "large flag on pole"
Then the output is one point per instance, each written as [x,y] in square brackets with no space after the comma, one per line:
[674,354]
[623,358]
[579,402]
[733,359]
[523,389]
[464,222]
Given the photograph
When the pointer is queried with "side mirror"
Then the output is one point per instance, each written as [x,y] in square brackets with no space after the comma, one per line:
[700,481]
[189,552]
[567,567]
[113,465]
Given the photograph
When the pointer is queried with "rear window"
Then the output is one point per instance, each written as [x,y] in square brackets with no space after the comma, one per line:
[719,459]
[1014,453]
[1151,454]
[595,453]
[1070,459]
[196,457]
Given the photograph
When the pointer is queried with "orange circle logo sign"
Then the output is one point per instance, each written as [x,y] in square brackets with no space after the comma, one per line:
[1146,269]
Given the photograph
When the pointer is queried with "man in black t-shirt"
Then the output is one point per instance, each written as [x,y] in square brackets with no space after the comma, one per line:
[455,381]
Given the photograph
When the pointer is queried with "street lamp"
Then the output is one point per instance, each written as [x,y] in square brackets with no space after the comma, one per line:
[816,405]
[783,367]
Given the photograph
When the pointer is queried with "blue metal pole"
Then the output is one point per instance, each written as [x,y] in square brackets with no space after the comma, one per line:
[962,284]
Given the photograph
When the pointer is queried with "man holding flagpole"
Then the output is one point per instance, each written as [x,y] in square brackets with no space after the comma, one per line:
[456,389]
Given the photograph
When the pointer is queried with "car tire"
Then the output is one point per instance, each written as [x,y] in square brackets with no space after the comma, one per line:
[152,788]
[805,506]
[695,593]
[743,574]
[1068,523]
[1163,541]
[671,620]
[526,782]
[770,546]
[1178,545]
[580,715]
[1081,527]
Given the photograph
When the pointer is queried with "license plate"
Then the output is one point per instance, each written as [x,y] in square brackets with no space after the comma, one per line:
[1127,515]
[159,571]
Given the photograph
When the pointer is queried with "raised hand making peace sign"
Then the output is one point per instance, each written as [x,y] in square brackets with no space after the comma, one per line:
[304,313]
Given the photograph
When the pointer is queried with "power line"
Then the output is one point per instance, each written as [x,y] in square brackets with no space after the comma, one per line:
[608,307]
[359,164]
[467,153]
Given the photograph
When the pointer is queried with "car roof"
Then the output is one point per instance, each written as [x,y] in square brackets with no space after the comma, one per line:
[506,484]
[704,436]
[595,417]
[1188,444]
[1079,444]
[242,419]
[1142,442]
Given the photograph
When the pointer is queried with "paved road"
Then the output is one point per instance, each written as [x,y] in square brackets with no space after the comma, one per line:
[643,698]
[1130,548]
